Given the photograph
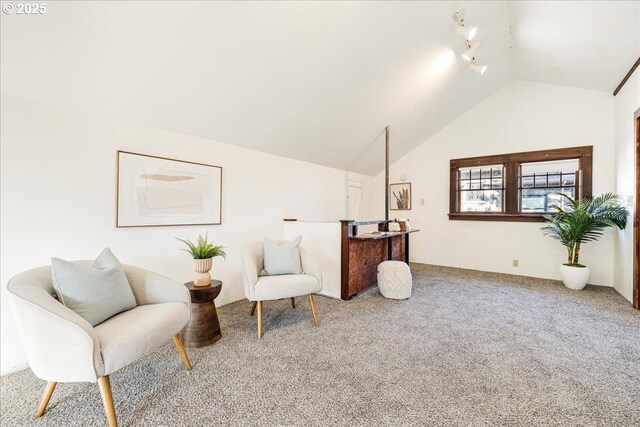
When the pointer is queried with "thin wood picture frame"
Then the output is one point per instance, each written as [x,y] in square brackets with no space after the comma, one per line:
[154,191]
[400,196]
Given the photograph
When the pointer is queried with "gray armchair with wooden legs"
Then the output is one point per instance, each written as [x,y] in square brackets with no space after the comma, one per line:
[267,288]
[61,346]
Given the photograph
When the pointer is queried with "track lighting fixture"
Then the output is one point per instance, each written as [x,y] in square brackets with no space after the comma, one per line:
[468,33]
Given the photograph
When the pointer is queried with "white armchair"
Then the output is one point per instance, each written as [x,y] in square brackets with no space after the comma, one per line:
[265,288]
[61,346]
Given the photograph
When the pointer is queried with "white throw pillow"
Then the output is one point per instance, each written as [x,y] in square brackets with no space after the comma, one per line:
[282,257]
[95,292]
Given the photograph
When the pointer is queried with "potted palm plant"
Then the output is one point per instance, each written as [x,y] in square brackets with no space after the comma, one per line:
[582,221]
[203,253]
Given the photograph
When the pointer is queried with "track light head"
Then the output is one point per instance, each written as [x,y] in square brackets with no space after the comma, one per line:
[470,33]
[470,52]
[478,68]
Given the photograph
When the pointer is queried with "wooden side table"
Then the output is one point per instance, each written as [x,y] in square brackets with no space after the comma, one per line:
[204,327]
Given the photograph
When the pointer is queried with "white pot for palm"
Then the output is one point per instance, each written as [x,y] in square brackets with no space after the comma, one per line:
[574,276]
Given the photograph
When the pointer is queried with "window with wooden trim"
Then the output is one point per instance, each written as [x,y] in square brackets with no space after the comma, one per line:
[518,186]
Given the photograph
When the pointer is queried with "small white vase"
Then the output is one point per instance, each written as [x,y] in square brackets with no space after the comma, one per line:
[574,277]
[201,268]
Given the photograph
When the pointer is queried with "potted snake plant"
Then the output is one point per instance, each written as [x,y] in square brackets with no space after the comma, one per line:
[580,222]
[203,253]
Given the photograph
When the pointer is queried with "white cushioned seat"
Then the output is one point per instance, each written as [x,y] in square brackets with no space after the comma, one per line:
[286,286]
[63,346]
[394,279]
[128,336]
[266,288]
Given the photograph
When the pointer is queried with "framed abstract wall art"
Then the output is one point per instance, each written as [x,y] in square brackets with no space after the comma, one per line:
[157,191]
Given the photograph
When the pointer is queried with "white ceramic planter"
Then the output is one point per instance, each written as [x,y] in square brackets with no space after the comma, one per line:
[202,268]
[574,277]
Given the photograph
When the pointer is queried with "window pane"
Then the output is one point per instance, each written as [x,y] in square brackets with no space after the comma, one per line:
[544,200]
[540,181]
[481,201]
[554,180]
[527,181]
[541,184]
[482,190]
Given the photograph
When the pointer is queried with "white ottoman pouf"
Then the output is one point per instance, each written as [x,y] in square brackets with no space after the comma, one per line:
[394,279]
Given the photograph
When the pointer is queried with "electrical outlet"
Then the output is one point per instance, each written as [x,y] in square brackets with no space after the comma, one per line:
[422,202]
[516,263]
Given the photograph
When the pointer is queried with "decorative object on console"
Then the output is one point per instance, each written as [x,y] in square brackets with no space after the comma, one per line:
[404,224]
[156,191]
[203,253]
[401,196]
[393,226]
[582,221]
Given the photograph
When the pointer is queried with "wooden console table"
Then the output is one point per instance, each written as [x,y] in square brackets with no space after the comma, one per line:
[203,328]
[361,254]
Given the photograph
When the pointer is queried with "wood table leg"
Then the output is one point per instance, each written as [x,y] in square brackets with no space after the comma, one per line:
[107,400]
[48,391]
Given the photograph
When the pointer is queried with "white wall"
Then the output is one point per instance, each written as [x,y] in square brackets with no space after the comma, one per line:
[367,202]
[521,116]
[626,103]
[58,199]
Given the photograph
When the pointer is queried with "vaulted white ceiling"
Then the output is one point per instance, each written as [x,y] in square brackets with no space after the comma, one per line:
[315,81]
[588,44]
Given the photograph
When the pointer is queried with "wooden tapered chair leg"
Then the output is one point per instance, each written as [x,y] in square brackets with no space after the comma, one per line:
[313,310]
[48,391]
[107,400]
[259,319]
[183,353]
[293,302]
[253,307]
